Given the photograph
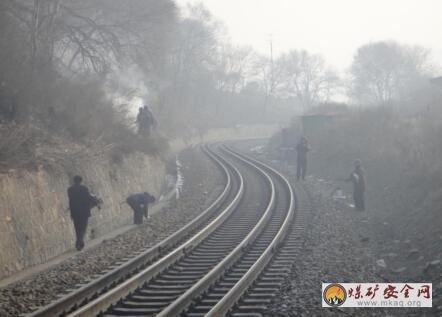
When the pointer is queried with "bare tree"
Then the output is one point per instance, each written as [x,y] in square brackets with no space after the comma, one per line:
[185,63]
[308,78]
[195,49]
[270,77]
[91,35]
[381,70]
[224,72]
[243,57]
[230,68]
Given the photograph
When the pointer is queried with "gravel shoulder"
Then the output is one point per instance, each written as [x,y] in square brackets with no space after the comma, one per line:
[341,245]
[333,251]
[202,183]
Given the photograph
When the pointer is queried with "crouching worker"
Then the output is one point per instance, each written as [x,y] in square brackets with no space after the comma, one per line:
[80,204]
[358,179]
[139,204]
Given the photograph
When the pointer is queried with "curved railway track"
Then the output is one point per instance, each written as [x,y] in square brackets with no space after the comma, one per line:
[211,264]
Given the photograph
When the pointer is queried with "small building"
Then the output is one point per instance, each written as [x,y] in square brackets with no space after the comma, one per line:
[436,81]
[310,122]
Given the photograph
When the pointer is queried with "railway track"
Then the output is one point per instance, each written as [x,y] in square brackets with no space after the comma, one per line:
[210,265]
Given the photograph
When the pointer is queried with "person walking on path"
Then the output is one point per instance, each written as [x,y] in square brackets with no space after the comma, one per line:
[80,204]
[359,183]
[301,161]
[139,204]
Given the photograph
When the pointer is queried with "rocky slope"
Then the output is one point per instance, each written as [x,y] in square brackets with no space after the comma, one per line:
[200,178]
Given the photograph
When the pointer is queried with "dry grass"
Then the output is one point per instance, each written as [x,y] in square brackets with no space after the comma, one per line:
[17,146]
[382,135]
[27,146]
[78,124]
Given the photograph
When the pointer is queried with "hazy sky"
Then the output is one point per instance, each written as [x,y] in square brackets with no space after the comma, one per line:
[334,28]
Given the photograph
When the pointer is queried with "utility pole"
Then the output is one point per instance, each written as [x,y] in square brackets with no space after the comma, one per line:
[271,60]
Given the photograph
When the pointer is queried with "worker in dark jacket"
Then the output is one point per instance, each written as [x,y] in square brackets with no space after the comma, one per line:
[359,182]
[80,204]
[301,161]
[139,204]
[140,120]
[149,120]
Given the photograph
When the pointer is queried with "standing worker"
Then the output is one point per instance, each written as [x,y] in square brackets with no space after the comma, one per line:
[358,179]
[149,120]
[80,204]
[140,120]
[301,161]
[139,204]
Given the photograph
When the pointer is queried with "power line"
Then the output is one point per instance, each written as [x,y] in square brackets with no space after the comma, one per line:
[271,58]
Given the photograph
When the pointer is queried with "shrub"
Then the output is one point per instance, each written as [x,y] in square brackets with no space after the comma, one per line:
[18,146]
[380,135]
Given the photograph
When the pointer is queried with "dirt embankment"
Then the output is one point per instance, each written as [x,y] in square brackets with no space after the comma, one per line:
[403,218]
[201,177]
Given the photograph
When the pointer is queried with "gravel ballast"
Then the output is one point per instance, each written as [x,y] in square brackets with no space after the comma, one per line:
[342,245]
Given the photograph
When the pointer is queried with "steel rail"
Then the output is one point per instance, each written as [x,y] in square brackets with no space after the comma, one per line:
[109,298]
[223,306]
[203,284]
[76,297]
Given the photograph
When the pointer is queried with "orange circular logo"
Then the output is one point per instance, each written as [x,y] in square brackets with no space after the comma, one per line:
[335,295]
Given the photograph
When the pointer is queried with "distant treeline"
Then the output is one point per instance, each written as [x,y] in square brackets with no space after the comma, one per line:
[77,67]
